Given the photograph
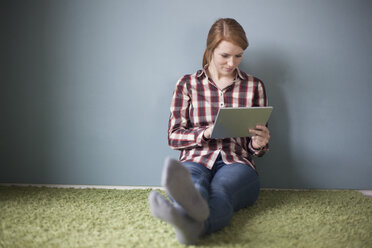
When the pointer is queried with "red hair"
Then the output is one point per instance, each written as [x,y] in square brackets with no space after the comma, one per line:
[226,29]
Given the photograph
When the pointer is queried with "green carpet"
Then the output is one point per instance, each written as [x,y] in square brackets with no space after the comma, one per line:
[50,217]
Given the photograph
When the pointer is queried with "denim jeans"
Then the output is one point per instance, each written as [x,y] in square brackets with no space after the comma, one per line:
[226,187]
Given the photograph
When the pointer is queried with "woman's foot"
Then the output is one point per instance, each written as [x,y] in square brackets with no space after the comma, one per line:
[187,230]
[178,183]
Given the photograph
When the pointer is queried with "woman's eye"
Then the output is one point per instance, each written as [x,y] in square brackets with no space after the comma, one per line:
[225,55]
[239,56]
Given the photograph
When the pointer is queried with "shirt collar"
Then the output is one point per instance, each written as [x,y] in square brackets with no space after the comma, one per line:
[203,72]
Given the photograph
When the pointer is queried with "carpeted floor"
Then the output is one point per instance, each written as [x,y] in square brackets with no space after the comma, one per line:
[51,217]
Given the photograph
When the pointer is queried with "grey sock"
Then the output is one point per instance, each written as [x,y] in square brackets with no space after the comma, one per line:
[187,230]
[178,183]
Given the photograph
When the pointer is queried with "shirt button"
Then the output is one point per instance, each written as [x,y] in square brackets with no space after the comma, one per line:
[221,104]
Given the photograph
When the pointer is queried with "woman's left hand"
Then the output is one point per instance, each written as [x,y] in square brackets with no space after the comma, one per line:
[260,137]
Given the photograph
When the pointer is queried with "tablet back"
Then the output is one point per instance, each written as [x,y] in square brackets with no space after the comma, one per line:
[236,122]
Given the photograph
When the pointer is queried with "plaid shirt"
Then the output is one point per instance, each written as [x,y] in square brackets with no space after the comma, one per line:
[195,104]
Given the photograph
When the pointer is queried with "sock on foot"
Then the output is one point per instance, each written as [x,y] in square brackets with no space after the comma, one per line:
[187,230]
[178,183]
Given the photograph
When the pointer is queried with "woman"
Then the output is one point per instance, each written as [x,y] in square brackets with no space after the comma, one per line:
[213,177]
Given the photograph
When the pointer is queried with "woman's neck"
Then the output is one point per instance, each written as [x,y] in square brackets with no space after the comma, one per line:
[222,81]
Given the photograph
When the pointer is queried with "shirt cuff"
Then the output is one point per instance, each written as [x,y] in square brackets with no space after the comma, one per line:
[257,152]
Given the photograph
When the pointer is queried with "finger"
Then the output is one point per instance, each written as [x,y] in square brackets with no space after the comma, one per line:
[262,128]
[257,132]
[253,131]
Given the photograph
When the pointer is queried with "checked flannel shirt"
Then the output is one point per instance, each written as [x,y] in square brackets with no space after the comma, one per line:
[195,104]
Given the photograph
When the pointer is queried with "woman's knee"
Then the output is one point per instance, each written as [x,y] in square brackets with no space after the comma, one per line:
[247,196]
[240,182]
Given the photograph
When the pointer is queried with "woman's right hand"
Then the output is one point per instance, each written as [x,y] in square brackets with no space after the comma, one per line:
[207,133]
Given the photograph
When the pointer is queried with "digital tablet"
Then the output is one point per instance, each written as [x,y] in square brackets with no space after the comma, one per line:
[236,122]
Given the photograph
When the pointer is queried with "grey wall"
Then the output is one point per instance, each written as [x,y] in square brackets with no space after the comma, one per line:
[86,87]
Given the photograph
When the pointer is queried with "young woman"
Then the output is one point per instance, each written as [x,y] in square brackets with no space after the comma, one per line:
[213,177]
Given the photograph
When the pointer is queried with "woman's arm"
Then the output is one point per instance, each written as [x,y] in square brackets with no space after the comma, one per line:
[259,143]
[181,133]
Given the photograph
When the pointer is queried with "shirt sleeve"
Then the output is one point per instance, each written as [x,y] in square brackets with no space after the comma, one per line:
[257,152]
[181,134]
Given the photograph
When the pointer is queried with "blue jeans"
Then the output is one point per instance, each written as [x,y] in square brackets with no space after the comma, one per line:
[226,187]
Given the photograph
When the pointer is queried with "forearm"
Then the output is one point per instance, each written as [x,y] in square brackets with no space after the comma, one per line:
[181,138]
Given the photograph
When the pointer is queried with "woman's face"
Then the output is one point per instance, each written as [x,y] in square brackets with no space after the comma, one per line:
[226,57]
